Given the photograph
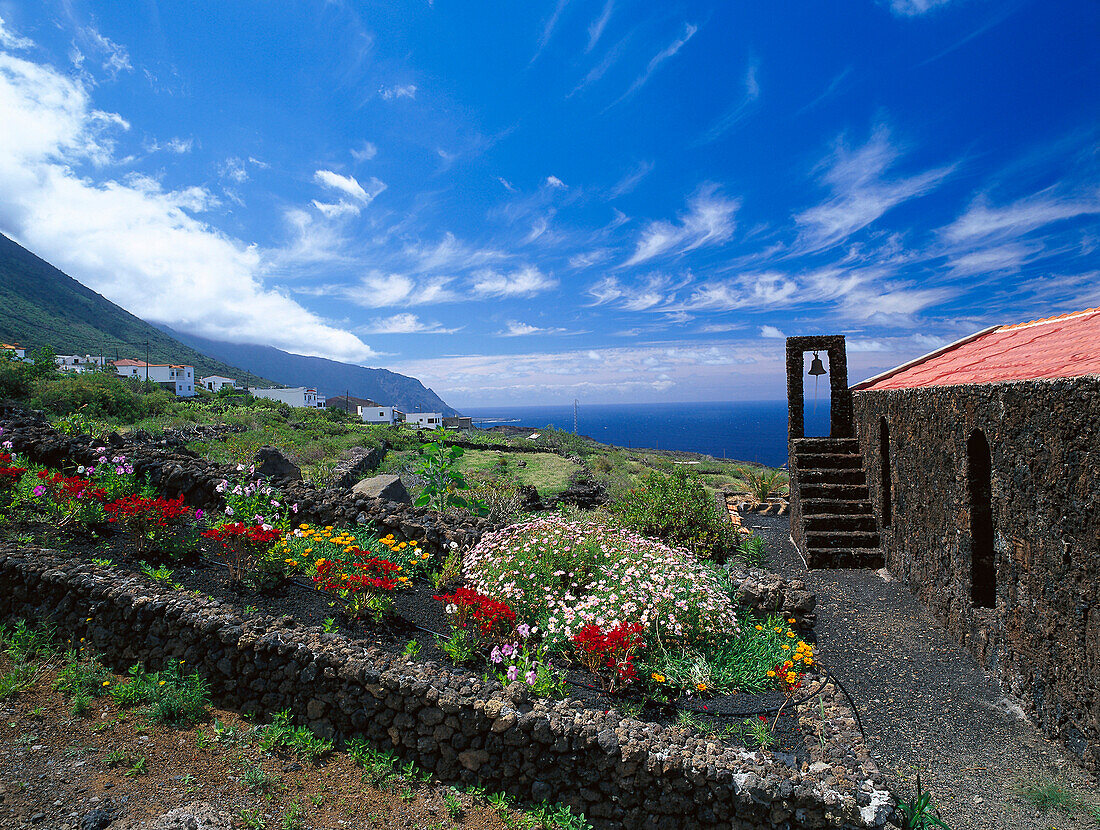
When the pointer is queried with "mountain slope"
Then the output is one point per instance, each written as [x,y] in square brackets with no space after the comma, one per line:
[42,306]
[328,376]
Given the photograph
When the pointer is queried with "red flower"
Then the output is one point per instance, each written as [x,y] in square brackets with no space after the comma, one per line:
[614,649]
[486,616]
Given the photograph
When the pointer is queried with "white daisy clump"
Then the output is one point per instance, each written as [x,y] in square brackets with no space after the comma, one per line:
[565,575]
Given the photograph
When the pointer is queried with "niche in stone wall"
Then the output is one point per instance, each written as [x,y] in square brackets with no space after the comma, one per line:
[979,479]
[887,477]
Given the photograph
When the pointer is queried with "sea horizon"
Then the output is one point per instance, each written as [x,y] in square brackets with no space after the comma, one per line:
[736,430]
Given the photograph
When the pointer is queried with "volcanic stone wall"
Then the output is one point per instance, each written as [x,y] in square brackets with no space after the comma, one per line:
[1042,633]
[620,772]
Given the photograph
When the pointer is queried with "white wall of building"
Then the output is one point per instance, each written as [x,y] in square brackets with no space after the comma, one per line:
[215,382]
[78,363]
[180,377]
[381,415]
[425,420]
[294,396]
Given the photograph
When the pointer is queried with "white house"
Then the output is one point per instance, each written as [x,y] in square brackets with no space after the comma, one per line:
[381,414]
[215,382]
[294,396]
[424,420]
[179,378]
[77,364]
[20,352]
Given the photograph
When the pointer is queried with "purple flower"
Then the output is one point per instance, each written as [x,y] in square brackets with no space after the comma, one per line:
[199,513]
[294,507]
[120,470]
[531,677]
[496,656]
[513,673]
[229,511]
[523,630]
[508,649]
[39,490]
[258,519]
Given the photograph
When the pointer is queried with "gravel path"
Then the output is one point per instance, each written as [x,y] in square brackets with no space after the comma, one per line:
[927,706]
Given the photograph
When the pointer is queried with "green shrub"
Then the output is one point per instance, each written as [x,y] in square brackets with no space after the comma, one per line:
[100,395]
[172,697]
[676,508]
[297,739]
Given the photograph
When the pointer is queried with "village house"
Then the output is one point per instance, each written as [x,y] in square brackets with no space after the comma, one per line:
[424,420]
[458,422]
[378,414]
[215,382]
[972,474]
[350,404]
[293,396]
[78,364]
[178,378]
[20,352]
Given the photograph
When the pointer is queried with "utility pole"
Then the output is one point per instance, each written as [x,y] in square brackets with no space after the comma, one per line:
[347,402]
[146,361]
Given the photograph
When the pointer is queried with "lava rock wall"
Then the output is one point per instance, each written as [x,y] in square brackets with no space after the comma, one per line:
[1042,633]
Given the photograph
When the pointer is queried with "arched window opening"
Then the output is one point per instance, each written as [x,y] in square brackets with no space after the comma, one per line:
[983,565]
[887,476]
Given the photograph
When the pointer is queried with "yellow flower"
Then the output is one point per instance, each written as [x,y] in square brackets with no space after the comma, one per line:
[791,677]
[402,579]
[790,634]
[778,629]
[304,526]
[425,555]
[162,682]
[660,678]
[791,620]
[329,527]
[785,647]
[106,682]
[771,674]
[309,550]
[759,628]
[702,687]
[412,544]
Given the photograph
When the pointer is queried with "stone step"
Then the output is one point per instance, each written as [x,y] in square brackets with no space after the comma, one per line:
[855,476]
[834,522]
[844,558]
[836,492]
[825,445]
[815,507]
[841,539]
[830,461]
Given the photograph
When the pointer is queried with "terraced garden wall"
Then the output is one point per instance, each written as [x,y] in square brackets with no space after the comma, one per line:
[620,772]
[1027,599]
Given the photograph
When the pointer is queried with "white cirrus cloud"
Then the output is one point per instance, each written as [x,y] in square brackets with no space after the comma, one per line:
[771,333]
[364,152]
[709,220]
[390,93]
[863,189]
[983,222]
[915,8]
[405,323]
[523,282]
[388,290]
[114,56]
[335,210]
[686,34]
[10,40]
[596,27]
[350,186]
[555,182]
[133,241]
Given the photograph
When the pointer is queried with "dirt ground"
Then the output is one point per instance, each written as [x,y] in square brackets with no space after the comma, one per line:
[59,772]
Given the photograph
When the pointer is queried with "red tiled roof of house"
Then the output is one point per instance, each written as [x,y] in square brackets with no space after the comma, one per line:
[1055,347]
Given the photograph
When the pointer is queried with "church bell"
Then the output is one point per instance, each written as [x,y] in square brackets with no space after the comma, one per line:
[816,367]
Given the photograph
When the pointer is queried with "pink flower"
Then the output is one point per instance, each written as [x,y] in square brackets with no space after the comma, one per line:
[39,490]
[513,673]
[199,513]
[531,677]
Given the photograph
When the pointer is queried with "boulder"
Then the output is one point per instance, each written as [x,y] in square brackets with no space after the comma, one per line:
[585,494]
[530,501]
[386,487]
[357,463]
[271,462]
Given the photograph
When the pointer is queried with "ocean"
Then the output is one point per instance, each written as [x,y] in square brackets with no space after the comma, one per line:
[741,430]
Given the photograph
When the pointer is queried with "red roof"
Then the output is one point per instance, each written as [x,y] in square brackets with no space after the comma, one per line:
[1056,347]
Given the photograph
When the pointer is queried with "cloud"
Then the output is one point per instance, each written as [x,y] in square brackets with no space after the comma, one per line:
[131,240]
[173,145]
[350,186]
[9,40]
[862,190]
[115,57]
[234,170]
[511,188]
[548,29]
[335,210]
[631,180]
[984,223]
[915,8]
[709,220]
[555,182]
[517,329]
[525,282]
[365,152]
[405,324]
[595,29]
[739,111]
[669,51]
[772,333]
[390,93]
[382,290]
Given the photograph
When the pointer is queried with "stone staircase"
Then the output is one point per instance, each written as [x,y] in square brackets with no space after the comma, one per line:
[838,521]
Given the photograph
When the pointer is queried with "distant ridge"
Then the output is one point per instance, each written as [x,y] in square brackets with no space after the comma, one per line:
[42,306]
[329,377]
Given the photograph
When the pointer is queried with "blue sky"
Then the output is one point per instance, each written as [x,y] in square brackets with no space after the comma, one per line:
[531,202]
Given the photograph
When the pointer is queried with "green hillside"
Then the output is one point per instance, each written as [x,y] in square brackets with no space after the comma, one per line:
[42,306]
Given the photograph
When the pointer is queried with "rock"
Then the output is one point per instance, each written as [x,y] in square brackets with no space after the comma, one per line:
[530,501]
[585,494]
[356,464]
[388,487]
[198,815]
[97,819]
[271,462]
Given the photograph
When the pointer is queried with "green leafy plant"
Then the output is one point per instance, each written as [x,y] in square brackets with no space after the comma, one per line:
[460,646]
[138,767]
[451,569]
[453,804]
[292,818]
[1050,795]
[764,483]
[443,484]
[378,767]
[412,648]
[252,818]
[161,573]
[256,781]
[171,696]
[281,734]
[752,551]
[758,731]
[919,814]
